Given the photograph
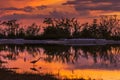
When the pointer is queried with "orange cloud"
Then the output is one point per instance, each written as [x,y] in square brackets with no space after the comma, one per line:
[23,3]
[83,10]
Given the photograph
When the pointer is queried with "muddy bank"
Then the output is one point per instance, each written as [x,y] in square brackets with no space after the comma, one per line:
[10,75]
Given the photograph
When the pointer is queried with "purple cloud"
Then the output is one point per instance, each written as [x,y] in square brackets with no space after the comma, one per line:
[41,7]
[105,5]
[28,9]
[22,16]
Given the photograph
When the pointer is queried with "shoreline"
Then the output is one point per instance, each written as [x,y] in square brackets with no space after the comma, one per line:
[61,41]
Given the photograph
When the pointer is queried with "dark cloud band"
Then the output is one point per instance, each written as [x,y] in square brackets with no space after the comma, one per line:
[105,5]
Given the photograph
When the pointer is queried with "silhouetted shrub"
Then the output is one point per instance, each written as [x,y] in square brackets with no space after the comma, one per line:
[106,27]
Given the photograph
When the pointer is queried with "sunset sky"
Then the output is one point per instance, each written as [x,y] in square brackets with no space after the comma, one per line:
[35,10]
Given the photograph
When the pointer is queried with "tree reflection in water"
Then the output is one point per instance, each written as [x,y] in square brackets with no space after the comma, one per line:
[104,54]
[109,54]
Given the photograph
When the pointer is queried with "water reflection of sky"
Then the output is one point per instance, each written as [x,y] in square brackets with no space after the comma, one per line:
[73,62]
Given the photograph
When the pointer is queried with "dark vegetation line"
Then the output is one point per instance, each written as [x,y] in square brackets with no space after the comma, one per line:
[106,27]
[11,75]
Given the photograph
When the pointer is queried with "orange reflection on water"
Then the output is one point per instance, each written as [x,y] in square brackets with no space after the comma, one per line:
[83,68]
[64,70]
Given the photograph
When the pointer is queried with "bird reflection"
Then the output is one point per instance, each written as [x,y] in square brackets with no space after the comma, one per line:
[35,61]
[33,69]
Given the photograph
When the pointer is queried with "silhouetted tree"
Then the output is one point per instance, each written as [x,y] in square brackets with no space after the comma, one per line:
[56,28]
[12,27]
[85,32]
[21,33]
[106,27]
[32,31]
[109,25]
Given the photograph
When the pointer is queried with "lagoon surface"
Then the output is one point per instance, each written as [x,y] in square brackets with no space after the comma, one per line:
[71,62]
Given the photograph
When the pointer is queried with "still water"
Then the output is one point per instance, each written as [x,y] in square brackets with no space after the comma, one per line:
[95,62]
